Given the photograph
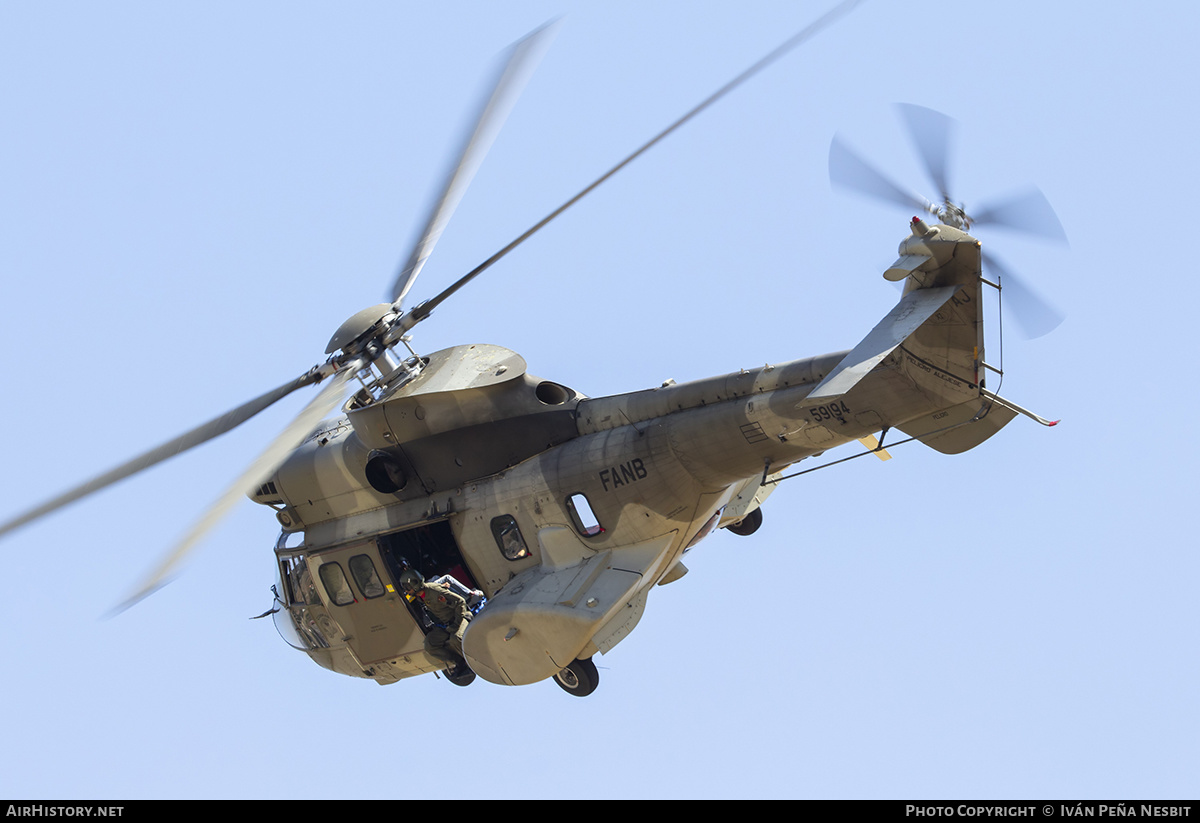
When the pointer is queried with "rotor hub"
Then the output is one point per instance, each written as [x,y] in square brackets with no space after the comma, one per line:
[358,328]
[951,214]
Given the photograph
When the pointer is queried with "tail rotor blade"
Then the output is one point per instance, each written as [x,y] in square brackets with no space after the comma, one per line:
[328,399]
[1035,316]
[932,134]
[1029,212]
[523,58]
[849,170]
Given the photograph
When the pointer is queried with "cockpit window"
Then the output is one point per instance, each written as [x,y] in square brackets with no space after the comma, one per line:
[508,537]
[336,585]
[365,576]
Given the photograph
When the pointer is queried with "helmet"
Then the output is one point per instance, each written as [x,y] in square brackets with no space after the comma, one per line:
[411,580]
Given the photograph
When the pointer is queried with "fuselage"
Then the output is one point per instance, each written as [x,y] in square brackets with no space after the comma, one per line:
[566,510]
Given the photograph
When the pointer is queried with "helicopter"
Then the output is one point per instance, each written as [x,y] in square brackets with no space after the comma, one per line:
[563,511]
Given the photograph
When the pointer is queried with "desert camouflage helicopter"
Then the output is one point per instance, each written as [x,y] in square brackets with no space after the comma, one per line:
[557,513]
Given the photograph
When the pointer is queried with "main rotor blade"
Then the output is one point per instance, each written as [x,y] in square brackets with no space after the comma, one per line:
[1030,212]
[511,79]
[1034,315]
[193,438]
[931,133]
[328,399]
[423,310]
[847,168]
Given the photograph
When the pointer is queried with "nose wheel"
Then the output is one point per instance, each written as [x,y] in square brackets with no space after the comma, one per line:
[460,675]
[580,678]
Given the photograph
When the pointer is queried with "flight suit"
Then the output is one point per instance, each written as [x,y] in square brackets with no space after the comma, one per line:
[450,615]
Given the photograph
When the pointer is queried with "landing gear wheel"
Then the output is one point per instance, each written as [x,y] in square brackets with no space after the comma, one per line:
[580,678]
[748,525]
[460,676]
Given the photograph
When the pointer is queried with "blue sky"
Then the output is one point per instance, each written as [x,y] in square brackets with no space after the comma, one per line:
[194,196]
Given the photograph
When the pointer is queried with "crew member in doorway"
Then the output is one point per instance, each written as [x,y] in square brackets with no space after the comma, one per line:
[450,617]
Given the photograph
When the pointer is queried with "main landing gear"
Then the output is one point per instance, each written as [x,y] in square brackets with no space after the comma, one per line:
[580,678]
[748,525]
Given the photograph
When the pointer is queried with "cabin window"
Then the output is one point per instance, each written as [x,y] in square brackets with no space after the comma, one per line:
[508,537]
[363,571]
[586,522]
[336,585]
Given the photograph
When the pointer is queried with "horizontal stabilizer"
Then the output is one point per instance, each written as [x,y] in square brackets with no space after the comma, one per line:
[905,266]
[914,309]
[959,428]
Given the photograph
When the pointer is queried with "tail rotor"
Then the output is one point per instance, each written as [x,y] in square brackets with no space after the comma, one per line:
[1028,212]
